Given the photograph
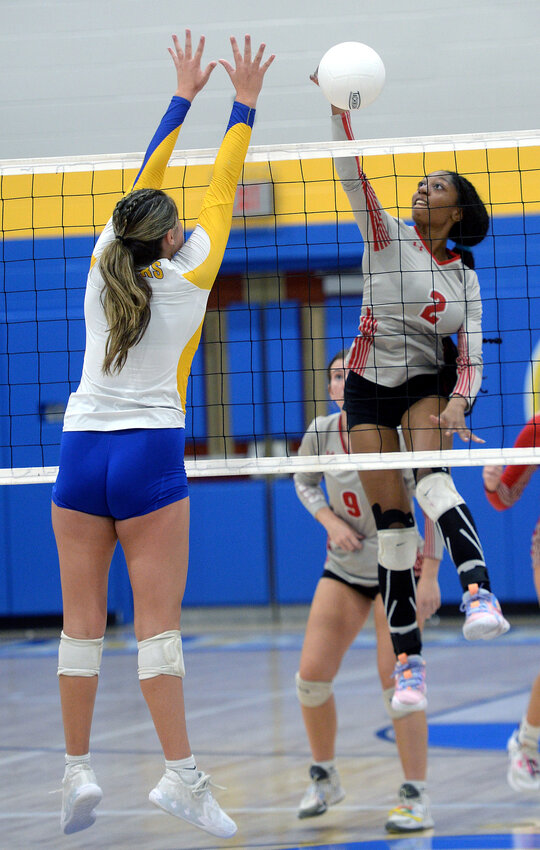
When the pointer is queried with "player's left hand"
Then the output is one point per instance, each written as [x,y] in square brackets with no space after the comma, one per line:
[452,421]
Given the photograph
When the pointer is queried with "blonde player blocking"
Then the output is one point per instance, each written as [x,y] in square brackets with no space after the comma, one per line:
[346,593]
[122,476]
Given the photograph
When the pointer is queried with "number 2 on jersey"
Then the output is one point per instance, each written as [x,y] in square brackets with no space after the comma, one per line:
[432,312]
[350,500]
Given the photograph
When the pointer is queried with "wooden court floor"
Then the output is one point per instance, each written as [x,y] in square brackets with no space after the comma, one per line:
[246,730]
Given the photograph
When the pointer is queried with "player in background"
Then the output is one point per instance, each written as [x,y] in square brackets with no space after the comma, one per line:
[344,597]
[503,489]
[122,475]
[416,292]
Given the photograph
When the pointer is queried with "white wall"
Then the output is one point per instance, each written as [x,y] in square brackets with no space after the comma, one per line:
[93,76]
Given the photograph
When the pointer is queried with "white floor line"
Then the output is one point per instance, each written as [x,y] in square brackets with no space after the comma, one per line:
[269,810]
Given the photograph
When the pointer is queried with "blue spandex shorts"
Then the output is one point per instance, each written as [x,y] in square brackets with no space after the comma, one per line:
[121,474]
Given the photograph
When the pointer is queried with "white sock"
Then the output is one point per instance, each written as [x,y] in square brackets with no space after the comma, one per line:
[528,735]
[326,765]
[77,759]
[185,768]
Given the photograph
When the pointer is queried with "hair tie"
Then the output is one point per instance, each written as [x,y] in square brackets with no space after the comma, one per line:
[120,238]
[462,247]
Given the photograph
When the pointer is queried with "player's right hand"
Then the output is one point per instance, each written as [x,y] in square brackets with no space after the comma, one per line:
[492,476]
[341,534]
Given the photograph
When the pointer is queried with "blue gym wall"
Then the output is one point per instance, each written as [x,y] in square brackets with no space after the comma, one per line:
[251,540]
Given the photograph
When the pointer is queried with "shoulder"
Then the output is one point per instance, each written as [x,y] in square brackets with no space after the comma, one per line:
[324,423]
[193,252]
[318,433]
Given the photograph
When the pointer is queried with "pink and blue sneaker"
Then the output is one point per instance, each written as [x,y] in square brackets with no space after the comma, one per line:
[483,615]
[410,688]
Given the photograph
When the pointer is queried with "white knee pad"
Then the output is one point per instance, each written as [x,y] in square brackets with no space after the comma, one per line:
[397,547]
[312,694]
[392,713]
[79,657]
[161,655]
[436,494]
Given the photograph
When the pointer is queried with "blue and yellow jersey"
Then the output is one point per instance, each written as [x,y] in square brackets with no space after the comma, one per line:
[150,390]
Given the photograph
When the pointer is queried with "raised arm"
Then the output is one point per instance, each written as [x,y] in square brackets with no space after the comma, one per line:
[377,227]
[214,222]
[190,79]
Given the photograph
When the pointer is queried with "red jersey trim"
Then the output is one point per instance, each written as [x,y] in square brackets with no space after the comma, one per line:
[451,259]
[381,237]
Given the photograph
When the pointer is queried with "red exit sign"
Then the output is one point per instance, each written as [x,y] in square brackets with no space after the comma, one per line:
[254,199]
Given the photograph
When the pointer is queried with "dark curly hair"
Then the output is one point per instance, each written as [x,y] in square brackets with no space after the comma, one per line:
[474,223]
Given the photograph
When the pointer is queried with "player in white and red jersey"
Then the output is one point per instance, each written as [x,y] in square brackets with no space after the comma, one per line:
[417,291]
[121,473]
[503,489]
[345,594]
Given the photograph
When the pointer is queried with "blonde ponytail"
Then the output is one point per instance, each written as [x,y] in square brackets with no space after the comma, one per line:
[140,221]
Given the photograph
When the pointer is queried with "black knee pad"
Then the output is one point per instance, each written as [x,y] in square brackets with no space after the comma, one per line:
[388,518]
[430,471]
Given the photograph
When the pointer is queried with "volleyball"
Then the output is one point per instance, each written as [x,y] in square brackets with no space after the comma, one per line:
[351,75]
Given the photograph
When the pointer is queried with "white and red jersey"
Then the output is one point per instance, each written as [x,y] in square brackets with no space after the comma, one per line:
[515,479]
[410,300]
[347,499]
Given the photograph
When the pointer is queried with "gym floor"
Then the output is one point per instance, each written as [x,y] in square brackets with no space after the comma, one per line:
[246,730]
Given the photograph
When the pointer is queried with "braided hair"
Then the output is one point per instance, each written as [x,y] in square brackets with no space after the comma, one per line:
[474,223]
[140,221]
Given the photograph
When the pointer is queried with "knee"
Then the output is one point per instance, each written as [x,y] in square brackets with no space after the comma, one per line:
[393,714]
[313,694]
[397,548]
[79,657]
[436,493]
[161,655]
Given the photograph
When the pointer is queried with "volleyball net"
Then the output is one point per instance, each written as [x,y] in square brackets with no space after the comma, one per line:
[287,298]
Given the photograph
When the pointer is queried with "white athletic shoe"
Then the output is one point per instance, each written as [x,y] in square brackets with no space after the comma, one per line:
[80,795]
[523,768]
[324,790]
[413,812]
[193,803]
[483,616]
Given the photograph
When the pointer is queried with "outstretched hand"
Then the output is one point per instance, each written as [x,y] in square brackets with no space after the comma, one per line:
[248,74]
[452,421]
[314,77]
[189,75]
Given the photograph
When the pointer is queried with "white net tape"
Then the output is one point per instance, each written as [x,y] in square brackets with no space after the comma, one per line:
[219,467]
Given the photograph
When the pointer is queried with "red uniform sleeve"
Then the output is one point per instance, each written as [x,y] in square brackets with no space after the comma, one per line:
[515,478]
